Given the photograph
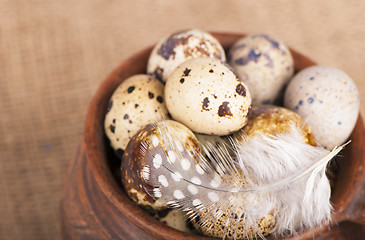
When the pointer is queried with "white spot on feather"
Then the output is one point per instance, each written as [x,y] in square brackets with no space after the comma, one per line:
[192,189]
[157,192]
[176,176]
[213,197]
[197,202]
[155,141]
[172,156]
[216,181]
[163,180]
[146,173]
[199,169]
[185,164]
[178,194]
[157,161]
[196,180]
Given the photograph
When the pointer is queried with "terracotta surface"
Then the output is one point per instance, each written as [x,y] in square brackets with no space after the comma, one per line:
[95,207]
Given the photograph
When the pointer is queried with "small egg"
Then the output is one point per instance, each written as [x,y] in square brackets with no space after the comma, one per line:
[273,120]
[138,101]
[206,96]
[175,219]
[135,160]
[179,47]
[327,98]
[264,64]
[238,228]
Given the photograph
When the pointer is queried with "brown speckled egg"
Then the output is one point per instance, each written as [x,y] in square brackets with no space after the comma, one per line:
[264,226]
[206,96]
[238,227]
[138,101]
[264,64]
[175,219]
[134,160]
[179,47]
[328,99]
[273,120]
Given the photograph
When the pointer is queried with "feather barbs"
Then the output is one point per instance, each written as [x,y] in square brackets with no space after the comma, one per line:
[271,184]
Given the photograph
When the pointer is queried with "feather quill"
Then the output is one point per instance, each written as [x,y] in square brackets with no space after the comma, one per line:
[279,175]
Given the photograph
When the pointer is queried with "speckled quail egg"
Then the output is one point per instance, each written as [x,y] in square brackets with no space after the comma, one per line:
[241,229]
[179,47]
[138,154]
[273,120]
[230,221]
[175,219]
[264,64]
[206,96]
[138,101]
[327,98]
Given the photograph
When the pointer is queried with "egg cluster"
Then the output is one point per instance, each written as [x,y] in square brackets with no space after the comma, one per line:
[203,96]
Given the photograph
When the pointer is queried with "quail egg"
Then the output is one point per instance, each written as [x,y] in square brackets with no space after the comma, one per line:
[179,47]
[206,96]
[230,222]
[327,98]
[273,120]
[176,219]
[138,154]
[137,101]
[264,64]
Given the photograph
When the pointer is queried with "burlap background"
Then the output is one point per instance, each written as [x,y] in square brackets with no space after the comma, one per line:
[54,54]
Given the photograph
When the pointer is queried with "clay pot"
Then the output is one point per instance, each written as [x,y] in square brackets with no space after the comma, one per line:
[94,205]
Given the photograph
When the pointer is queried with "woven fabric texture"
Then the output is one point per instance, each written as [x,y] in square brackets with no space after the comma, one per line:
[54,55]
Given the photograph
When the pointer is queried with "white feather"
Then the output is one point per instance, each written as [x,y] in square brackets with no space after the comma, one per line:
[280,174]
